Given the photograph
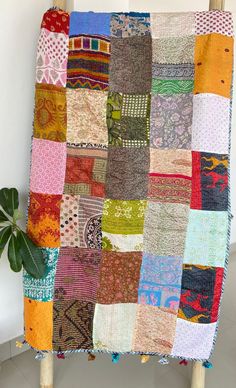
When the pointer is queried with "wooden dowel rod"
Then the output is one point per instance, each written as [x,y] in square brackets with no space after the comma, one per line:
[46,371]
[198,375]
[217,4]
[60,3]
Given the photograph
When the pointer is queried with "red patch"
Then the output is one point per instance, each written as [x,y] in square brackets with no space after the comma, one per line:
[56,21]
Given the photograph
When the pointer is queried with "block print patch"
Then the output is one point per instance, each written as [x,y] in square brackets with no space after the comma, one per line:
[209,181]
[126,24]
[52,56]
[50,115]
[47,167]
[42,289]
[56,21]
[90,216]
[154,330]
[160,281]
[43,225]
[123,217]
[200,293]
[72,325]
[171,121]
[119,277]
[172,161]
[173,50]
[173,188]
[85,172]
[86,109]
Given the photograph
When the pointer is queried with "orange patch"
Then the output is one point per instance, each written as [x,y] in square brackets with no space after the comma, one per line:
[213,64]
[38,323]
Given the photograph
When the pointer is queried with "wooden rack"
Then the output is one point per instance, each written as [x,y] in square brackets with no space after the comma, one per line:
[46,370]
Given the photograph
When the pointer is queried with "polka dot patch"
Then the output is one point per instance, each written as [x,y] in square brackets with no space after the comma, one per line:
[207,22]
[210,123]
[69,221]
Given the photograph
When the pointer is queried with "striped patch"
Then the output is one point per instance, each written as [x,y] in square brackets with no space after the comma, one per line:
[173,188]
[88,62]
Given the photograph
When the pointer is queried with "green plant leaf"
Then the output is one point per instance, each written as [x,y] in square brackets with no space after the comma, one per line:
[17,215]
[4,237]
[14,256]
[32,256]
[3,217]
[9,200]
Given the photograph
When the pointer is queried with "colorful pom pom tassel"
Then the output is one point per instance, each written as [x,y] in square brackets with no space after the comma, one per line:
[91,357]
[183,362]
[61,356]
[144,358]
[163,361]
[19,344]
[207,364]
[39,356]
[115,358]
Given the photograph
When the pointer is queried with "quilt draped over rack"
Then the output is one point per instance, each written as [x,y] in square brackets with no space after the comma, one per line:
[129,186]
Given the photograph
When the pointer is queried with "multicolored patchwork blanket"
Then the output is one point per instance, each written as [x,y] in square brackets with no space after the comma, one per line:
[129,192]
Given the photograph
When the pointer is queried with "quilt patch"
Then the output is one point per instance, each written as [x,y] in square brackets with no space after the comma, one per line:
[209,181]
[85,172]
[128,119]
[86,107]
[200,293]
[43,225]
[52,57]
[50,117]
[129,185]
[88,62]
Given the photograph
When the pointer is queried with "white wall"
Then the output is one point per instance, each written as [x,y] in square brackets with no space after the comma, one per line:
[19,27]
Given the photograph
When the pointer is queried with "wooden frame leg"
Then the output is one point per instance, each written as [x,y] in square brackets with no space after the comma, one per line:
[46,371]
[198,375]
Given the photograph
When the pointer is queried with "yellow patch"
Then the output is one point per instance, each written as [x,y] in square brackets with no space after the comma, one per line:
[213,64]
[38,323]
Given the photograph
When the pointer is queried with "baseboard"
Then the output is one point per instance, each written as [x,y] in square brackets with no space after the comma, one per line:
[9,349]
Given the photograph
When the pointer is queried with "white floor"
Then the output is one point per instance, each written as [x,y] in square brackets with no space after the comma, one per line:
[76,372]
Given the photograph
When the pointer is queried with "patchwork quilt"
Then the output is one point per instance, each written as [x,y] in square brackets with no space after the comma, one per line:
[129,186]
